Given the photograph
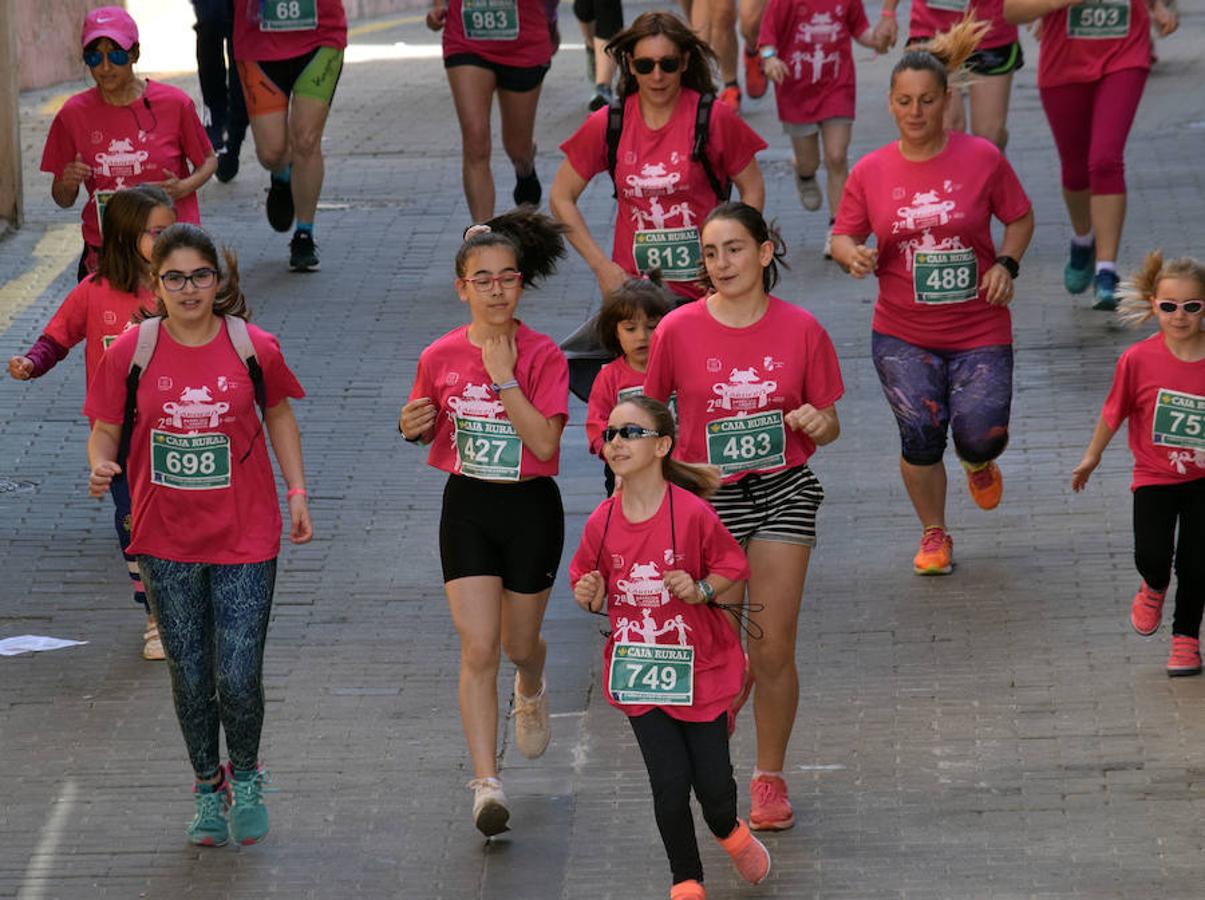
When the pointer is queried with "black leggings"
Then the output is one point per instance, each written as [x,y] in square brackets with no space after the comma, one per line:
[679,756]
[607,16]
[1157,509]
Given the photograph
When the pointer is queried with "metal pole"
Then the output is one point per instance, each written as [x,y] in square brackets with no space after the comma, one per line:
[11,205]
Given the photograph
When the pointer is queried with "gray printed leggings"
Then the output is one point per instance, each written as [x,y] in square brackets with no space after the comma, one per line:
[213,620]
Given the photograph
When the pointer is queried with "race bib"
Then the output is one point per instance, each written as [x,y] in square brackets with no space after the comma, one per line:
[1179,420]
[488,448]
[107,341]
[190,462]
[490,20]
[740,443]
[676,251]
[1099,19]
[288,15]
[102,200]
[945,276]
[628,393]
[952,5]
[652,674]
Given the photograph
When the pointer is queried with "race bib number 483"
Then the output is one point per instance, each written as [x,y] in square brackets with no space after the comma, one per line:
[1099,19]
[652,674]
[740,443]
[190,462]
[1179,420]
[288,15]
[488,448]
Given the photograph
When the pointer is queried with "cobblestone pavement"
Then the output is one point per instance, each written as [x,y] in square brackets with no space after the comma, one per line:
[998,733]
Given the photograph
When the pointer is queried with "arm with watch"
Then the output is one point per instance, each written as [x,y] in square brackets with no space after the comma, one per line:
[683,586]
[997,282]
[539,434]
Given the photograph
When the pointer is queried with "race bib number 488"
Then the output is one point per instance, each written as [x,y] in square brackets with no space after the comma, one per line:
[945,276]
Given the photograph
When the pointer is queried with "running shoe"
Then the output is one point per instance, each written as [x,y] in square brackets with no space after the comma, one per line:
[1077,274]
[771,807]
[985,483]
[228,162]
[755,78]
[1146,612]
[248,815]
[749,855]
[601,97]
[280,205]
[1185,657]
[152,644]
[532,727]
[303,252]
[489,806]
[688,890]
[936,553]
[739,701]
[208,827]
[809,192]
[731,96]
[828,243]
[1106,290]
[527,189]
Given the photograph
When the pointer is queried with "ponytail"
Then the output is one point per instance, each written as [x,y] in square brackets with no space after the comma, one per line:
[1136,293]
[536,240]
[946,52]
[759,229]
[698,478]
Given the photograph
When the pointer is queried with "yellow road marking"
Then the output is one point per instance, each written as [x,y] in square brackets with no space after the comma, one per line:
[54,104]
[384,25]
[56,250]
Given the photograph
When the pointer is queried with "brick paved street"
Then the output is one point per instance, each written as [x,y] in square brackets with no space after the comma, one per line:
[999,733]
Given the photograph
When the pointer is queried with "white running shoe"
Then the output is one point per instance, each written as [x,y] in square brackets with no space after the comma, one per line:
[489,806]
[809,192]
[533,729]
[828,244]
[152,647]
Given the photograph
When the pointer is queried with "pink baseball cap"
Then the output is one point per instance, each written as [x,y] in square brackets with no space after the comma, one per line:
[112,22]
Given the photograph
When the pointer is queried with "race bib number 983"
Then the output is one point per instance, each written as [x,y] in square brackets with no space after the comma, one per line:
[490,20]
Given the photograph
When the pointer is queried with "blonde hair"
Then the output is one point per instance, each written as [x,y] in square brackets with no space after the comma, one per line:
[1137,292]
[946,53]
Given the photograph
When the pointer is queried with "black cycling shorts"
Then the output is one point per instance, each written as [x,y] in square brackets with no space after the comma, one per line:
[519,79]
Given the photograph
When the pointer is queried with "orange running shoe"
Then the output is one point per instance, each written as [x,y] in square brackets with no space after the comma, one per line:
[731,95]
[1146,612]
[687,890]
[749,855]
[1185,657]
[771,807]
[755,78]
[985,483]
[936,553]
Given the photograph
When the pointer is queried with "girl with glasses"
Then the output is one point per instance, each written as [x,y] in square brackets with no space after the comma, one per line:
[125,131]
[490,399]
[206,517]
[1159,386]
[756,382]
[653,558]
[97,312]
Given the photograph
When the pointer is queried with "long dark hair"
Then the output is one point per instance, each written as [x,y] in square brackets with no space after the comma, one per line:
[536,240]
[698,478]
[124,220]
[946,52]
[760,230]
[634,296]
[700,58]
[183,235]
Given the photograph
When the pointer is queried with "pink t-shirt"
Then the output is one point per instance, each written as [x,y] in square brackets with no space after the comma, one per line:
[735,385]
[473,435]
[1164,400]
[195,497]
[260,35]
[96,313]
[663,195]
[932,222]
[931,16]
[632,556]
[1083,43]
[128,145]
[488,28]
[813,38]
[616,381]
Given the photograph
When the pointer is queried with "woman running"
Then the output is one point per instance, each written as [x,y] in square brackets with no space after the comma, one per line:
[653,557]
[942,336]
[491,399]
[1159,386]
[756,382]
[177,404]
[503,47]
[1093,60]
[667,174]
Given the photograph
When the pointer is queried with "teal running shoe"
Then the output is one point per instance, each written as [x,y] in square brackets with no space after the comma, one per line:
[1077,274]
[209,828]
[1106,290]
[248,815]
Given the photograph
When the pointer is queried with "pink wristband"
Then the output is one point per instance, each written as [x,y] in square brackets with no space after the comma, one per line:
[293,492]
[887,13]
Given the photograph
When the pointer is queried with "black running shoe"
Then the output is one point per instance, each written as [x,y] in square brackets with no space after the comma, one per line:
[280,205]
[527,189]
[228,163]
[303,253]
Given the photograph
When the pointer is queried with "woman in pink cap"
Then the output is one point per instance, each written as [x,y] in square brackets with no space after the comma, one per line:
[125,131]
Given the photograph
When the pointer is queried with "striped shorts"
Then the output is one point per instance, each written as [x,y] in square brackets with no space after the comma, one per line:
[777,507]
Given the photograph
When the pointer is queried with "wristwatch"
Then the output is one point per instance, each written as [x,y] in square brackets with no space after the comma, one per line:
[706,590]
[768,52]
[1011,265]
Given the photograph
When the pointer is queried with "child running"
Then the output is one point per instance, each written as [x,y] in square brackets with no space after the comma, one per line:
[673,664]
[491,399]
[625,327]
[96,312]
[1159,385]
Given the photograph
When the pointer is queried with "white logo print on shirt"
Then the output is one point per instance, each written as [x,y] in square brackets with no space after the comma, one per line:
[744,390]
[195,410]
[658,217]
[927,210]
[643,586]
[121,160]
[654,179]
[647,630]
[476,401]
[925,243]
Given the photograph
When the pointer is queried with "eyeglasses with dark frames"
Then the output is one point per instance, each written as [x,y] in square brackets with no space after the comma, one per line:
[199,278]
[629,432]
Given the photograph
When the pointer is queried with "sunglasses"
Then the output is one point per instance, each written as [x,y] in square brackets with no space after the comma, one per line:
[1192,307]
[628,432]
[200,278]
[118,57]
[644,65]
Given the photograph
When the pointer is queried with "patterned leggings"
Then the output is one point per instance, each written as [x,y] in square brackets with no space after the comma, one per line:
[213,620]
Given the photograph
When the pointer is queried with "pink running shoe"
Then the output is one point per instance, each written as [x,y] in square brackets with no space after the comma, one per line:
[771,807]
[749,855]
[1185,658]
[1147,610]
[688,890]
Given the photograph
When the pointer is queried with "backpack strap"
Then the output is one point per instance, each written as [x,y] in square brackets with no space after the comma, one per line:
[236,328]
[698,153]
[614,132]
[148,337]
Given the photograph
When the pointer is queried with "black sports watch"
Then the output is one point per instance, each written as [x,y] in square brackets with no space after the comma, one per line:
[1010,265]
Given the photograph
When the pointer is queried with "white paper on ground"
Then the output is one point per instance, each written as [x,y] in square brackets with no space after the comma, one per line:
[30,643]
